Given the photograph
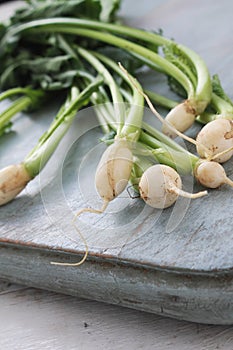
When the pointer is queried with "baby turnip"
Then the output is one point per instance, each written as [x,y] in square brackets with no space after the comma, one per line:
[160,186]
[13,179]
[217,137]
[211,174]
[113,171]
[181,117]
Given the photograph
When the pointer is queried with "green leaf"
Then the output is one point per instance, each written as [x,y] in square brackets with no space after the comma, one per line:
[218,89]
[108,9]
[173,54]
[5,128]
[103,10]
[176,87]
[27,59]
[109,137]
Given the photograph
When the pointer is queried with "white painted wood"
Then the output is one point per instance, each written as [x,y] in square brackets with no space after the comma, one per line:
[32,319]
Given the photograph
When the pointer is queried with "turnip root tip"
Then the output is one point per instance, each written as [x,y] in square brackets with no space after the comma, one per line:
[13,179]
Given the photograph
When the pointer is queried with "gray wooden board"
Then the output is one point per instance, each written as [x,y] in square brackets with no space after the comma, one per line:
[32,319]
[177,262]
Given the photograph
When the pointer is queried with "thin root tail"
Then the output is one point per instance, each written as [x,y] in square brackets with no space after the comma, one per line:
[188,194]
[84,210]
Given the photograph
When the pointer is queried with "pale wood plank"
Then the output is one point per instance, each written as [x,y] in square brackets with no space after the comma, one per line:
[34,319]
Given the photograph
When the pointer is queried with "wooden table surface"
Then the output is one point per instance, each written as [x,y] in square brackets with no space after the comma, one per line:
[35,319]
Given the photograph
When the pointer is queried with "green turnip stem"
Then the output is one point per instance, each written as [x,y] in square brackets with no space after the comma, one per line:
[130,126]
[155,112]
[183,67]
[170,154]
[100,111]
[205,118]
[223,107]
[184,162]
[173,154]
[36,161]
[12,92]
[162,137]
[140,165]
[103,107]
[35,95]
[108,79]
[77,26]
[17,106]
[149,129]
[156,39]
[127,96]
[102,104]
[161,148]
[203,89]
[127,127]
[41,153]
[181,160]
[161,100]
[133,121]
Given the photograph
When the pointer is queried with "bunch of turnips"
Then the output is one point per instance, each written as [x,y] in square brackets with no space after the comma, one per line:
[72,50]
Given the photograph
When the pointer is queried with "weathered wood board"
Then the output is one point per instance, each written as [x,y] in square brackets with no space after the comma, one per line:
[177,262]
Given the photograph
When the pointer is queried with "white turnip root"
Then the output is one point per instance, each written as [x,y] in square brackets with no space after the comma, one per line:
[160,186]
[114,169]
[217,137]
[13,179]
[181,117]
[211,174]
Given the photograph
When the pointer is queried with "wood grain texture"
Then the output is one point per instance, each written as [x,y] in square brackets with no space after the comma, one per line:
[32,319]
[178,262]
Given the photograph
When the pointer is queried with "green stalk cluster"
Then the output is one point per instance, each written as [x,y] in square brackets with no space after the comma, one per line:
[26,99]
[74,63]
[40,154]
